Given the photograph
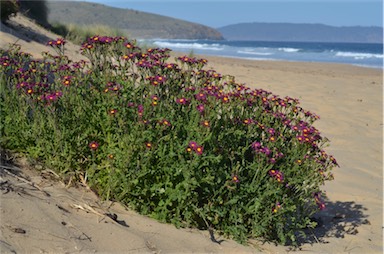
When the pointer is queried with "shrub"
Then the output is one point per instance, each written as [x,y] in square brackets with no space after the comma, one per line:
[174,141]
[36,10]
[8,9]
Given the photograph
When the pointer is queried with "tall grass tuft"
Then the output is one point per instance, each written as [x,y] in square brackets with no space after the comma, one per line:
[79,33]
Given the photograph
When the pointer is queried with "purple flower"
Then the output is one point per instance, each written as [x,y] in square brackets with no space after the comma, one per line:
[266,151]
[201,96]
[271,131]
[200,108]
[193,145]
[256,145]
[182,101]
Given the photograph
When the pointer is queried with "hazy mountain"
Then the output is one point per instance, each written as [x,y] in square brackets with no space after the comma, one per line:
[136,24]
[301,32]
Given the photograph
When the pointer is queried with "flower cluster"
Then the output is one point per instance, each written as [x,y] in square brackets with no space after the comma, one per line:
[57,43]
[276,174]
[157,80]
[193,146]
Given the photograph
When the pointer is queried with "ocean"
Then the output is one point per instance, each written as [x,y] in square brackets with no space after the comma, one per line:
[361,54]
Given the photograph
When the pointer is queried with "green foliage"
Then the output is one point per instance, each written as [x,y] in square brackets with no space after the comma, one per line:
[174,141]
[8,9]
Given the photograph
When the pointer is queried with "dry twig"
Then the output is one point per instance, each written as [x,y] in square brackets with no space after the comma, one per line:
[5,168]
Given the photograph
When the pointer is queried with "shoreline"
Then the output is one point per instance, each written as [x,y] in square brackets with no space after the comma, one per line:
[284,60]
[317,52]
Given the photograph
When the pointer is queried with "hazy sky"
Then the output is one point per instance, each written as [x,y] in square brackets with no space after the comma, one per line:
[217,13]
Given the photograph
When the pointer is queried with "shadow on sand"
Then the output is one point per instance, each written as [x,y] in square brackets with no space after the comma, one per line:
[23,33]
[336,221]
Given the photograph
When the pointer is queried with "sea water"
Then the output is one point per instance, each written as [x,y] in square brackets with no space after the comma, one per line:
[361,54]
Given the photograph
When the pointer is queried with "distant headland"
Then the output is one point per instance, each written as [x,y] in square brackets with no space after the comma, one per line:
[258,31]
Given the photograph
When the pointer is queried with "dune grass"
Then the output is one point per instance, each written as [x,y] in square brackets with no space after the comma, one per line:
[79,33]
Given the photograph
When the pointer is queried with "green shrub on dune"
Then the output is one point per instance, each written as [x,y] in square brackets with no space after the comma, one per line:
[8,9]
[170,139]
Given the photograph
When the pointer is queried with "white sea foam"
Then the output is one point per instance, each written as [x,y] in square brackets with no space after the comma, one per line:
[179,45]
[254,53]
[340,53]
[358,56]
[289,50]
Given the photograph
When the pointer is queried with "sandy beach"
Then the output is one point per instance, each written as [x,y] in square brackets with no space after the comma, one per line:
[40,214]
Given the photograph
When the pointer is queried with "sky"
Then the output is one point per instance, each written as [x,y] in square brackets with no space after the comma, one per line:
[219,13]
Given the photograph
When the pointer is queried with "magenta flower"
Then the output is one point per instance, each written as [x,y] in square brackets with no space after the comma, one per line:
[200,108]
[155,97]
[199,150]
[58,42]
[277,174]
[193,145]
[93,145]
[66,80]
[271,131]
[225,99]
[155,80]
[266,151]
[201,96]
[129,45]
[148,145]
[256,145]
[164,122]
[247,121]
[205,123]
[235,179]
[182,101]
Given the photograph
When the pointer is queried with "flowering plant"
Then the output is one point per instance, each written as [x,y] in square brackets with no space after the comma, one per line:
[174,141]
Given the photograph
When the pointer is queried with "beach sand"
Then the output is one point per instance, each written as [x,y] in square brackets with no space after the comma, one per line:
[39,214]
